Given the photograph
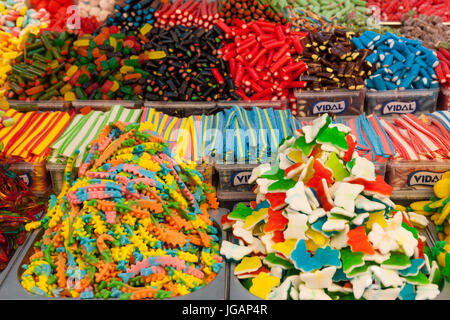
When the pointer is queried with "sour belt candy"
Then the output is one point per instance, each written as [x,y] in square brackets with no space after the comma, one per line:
[323,227]
[133,225]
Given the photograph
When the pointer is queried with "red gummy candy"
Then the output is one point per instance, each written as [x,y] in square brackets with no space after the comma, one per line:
[320,172]
[358,241]
[278,236]
[378,186]
[276,199]
[276,221]
[351,148]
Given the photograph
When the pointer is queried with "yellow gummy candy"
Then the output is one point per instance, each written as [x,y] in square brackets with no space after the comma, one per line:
[255,217]
[156,55]
[442,188]
[376,217]
[146,29]
[263,284]
[419,205]
[248,264]
[69,96]
[285,247]
[399,208]
[446,175]
[82,43]
[318,238]
[444,214]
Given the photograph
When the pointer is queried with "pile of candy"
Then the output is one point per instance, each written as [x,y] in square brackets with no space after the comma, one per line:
[323,227]
[393,10]
[39,72]
[133,225]
[98,9]
[428,29]
[200,13]
[333,62]
[18,206]
[400,63]
[58,11]
[232,11]
[438,209]
[343,10]
[443,69]
[133,15]
[306,20]
[17,19]
[191,69]
[262,58]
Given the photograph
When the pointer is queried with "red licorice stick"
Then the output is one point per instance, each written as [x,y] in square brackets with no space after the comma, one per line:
[263,94]
[217,75]
[261,63]
[239,74]
[440,74]
[299,66]
[445,53]
[258,56]
[223,26]
[281,52]
[280,33]
[445,69]
[172,9]
[252,72]
[280,62]
[273,44]
[266,37]
[297,84]
[297,44]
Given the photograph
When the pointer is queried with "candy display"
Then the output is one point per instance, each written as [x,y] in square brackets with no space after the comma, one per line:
[18,206]
[200,13]
[323,227]
[98,9]
[16,18]
[133,225]
[38,73]
[394,10]
[428,29]
[400,63]
[263,65]
[132,15]
[59,12]
[249,10]
[341,10]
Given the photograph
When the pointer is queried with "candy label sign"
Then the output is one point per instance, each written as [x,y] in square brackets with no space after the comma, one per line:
[240,178]
[423,178]
[397,107]
[329,106]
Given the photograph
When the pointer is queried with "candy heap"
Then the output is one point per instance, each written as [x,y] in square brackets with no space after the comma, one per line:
[18,206]
[38,73]
[306,20]
[191,69]
[98,9]
[57,9]
[438,209]
[133,15]
[110,66]
[400,63]
[17,19]
[200,13]
[428,29]
[333,62]
[393,10]
[343,10]
[443,69]
[323,227]
[232,11]
[133,225]
[32,134]
[262,58]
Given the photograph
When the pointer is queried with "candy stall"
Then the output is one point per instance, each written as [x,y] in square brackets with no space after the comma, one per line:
[224,150]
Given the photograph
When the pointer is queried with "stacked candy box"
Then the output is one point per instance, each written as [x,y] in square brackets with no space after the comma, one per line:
[421,152]
[323,227]
[77,136]
[403,79]
[29,139]
[135,224]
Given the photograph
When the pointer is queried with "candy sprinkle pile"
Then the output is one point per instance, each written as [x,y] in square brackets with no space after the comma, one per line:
[133,225]
[323,227]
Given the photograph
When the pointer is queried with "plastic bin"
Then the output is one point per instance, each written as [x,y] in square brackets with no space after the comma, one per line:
[277,104]
[444,99]
[56,172]
[392,102]
[183,108]
[35,176]
[104,105]
[51,105]
[234,177]
[380,168]
[339,101]
[415,175]
[207,171]
[13,290]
